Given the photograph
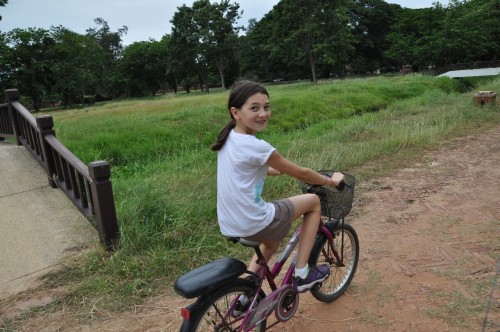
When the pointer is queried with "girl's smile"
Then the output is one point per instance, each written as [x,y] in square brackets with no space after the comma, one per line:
[253,116]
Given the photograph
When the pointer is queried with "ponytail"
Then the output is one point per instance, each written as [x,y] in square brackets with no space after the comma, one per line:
[222,138]
[240,92]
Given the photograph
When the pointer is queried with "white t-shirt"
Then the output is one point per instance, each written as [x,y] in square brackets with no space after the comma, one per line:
[241,173]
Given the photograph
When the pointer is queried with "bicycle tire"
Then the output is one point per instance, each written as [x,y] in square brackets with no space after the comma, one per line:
[205,318]
[340,276]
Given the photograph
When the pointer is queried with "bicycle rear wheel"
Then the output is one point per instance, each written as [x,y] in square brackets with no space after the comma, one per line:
[212,314]
[341,274]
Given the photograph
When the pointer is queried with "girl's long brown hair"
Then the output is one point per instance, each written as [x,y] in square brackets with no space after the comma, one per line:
[240,92]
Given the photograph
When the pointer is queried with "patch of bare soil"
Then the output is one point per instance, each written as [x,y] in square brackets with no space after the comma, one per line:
[429,238]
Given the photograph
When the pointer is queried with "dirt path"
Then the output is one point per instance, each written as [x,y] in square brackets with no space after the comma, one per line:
[430,250]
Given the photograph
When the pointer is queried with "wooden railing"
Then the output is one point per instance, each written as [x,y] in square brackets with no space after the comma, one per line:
[87,186]
[6,129]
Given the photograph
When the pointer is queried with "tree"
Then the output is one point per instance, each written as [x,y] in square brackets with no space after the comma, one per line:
[411,32]
[29,62]
[370,21]
[402,38]
[76,67]
[2,4]
[258,62]
[170,78]
[470,33]
[5,66]
[321,29]
[204,35]
[111,43]
[462,32]
[143,67]
[156,69]
[217,32]
[184,49]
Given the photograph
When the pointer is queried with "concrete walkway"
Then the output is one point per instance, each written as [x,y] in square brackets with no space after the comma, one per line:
[39,225]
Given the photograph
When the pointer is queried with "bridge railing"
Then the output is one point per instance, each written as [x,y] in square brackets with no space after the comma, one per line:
[87,186]
[6,129]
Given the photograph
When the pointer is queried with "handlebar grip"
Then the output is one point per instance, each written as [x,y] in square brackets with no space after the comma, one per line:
[341,186]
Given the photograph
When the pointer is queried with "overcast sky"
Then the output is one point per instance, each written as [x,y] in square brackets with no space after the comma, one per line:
[145,19]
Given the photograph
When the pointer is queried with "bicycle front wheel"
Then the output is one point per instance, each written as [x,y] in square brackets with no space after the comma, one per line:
[341,272]
[216,311]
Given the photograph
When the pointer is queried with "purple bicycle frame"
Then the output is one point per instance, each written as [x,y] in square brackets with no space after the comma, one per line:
[270,302]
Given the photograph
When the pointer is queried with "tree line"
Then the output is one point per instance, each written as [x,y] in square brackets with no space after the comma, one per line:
[206,48]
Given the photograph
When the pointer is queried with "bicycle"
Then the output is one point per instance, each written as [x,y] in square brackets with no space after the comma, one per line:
[219,285]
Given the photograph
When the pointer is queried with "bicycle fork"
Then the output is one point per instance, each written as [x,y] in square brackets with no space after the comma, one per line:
[338,259]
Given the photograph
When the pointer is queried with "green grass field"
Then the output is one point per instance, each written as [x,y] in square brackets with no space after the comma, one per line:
[164,174]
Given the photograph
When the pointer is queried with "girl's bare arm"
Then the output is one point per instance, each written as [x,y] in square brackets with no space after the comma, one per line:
[279,163]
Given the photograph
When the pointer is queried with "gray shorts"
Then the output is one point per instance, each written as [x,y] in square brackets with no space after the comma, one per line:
[279,227]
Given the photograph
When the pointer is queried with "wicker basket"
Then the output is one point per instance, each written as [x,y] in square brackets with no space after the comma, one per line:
[336,202]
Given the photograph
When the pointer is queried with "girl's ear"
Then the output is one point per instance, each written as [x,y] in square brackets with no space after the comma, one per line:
[234,112]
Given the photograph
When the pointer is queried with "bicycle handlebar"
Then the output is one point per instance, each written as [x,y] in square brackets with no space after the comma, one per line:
[340,187]
[335,201]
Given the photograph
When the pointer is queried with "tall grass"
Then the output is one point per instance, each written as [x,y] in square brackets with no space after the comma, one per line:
[164,175]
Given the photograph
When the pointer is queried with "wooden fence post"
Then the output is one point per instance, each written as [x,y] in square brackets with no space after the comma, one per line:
[103,203]
[45,124]
[13,95]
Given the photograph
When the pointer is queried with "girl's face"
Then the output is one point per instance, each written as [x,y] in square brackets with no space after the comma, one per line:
[253,115]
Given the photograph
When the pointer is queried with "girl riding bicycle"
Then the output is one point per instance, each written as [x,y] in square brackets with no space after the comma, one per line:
[243,162]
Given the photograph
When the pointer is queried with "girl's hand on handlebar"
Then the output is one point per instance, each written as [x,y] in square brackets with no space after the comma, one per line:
[337,178]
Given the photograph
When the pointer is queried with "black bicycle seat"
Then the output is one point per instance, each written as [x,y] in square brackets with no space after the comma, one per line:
[244,242]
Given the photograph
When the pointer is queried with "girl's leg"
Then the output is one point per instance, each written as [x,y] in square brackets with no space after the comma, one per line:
[309,206]
[268,248]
